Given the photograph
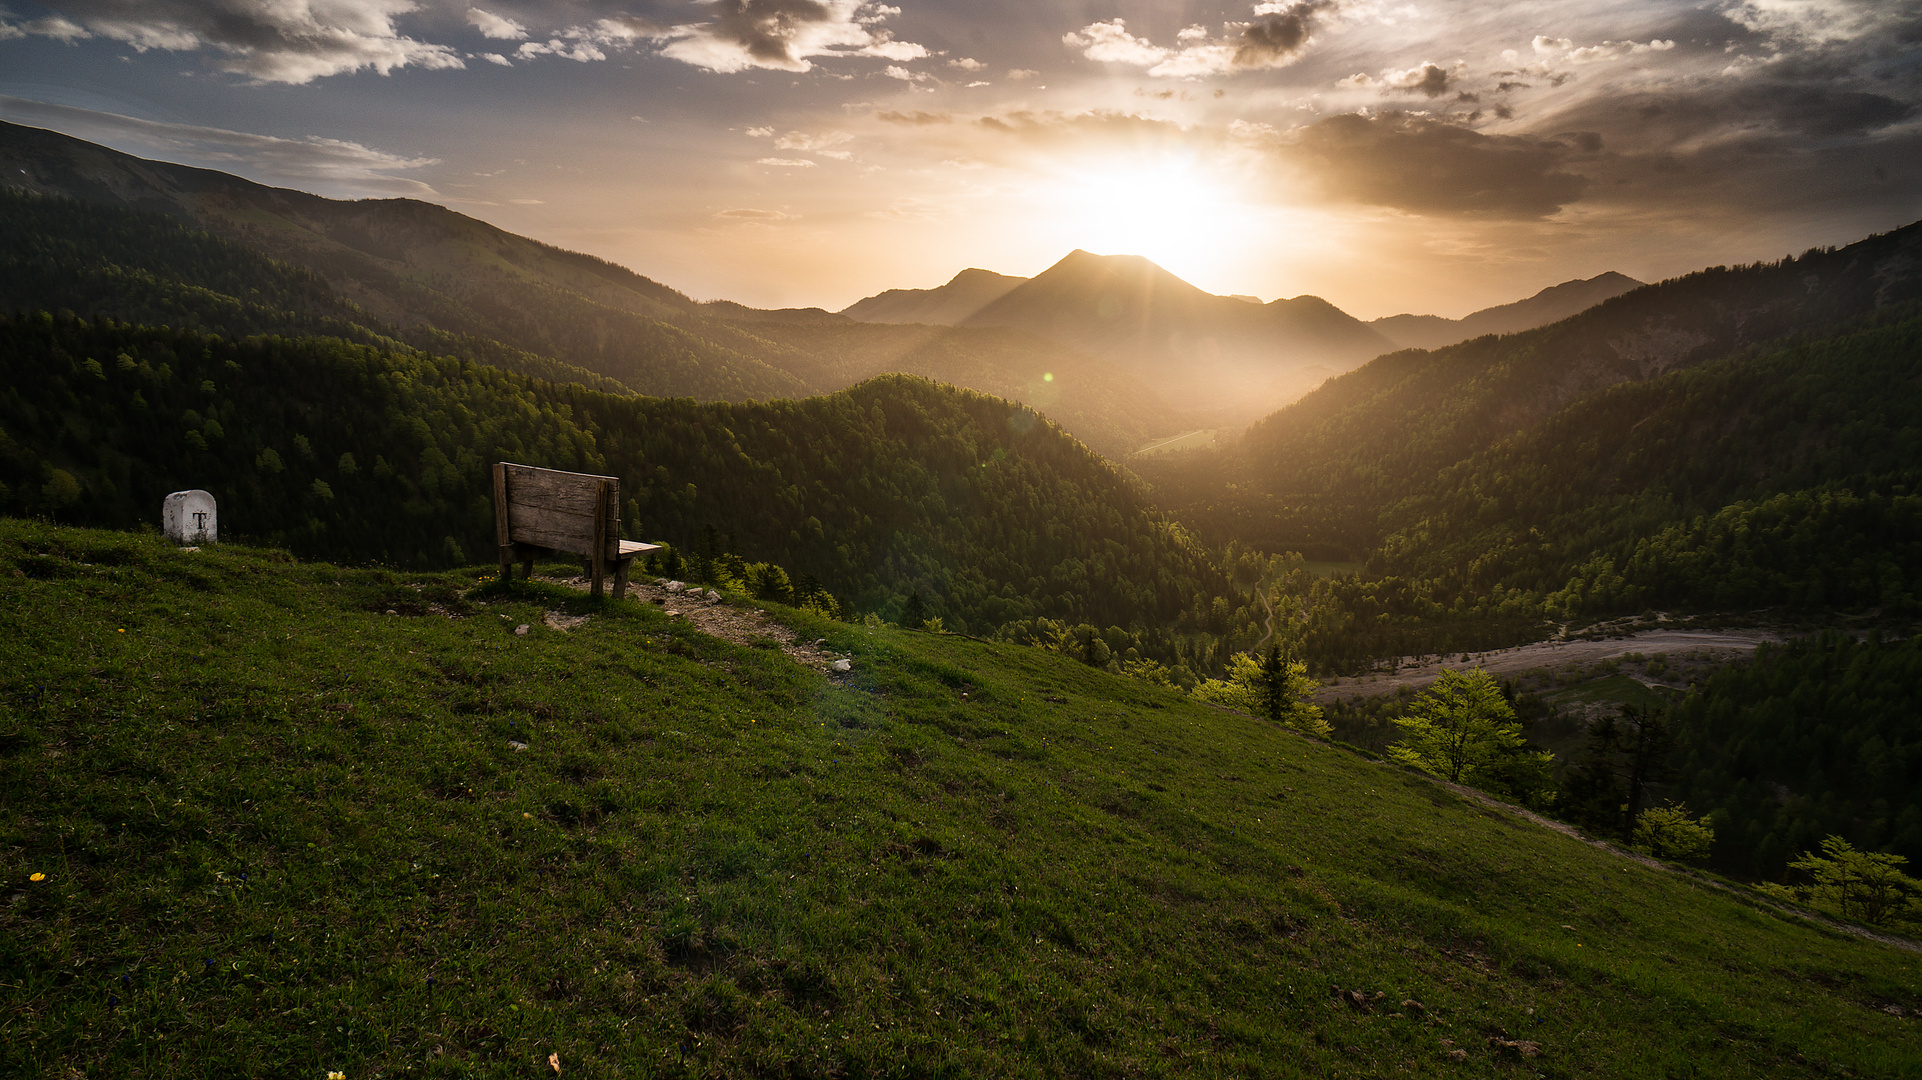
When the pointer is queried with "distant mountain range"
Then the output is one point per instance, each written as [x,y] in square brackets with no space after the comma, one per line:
[1553,304]
[451,285]
[1228,359]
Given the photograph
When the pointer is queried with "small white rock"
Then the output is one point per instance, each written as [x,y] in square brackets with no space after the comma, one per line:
[512,745]
[521,630]
[675,586]
[843,665]
[713,597]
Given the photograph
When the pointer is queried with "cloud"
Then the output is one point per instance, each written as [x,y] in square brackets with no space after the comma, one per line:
[784,34]
[283,41]
[1111,43]
[916,118]
[55,27]
[966,63]
[760,132]
[1277,36]
[1426,78]
[496,58]
[823,144]
[747,213]
[495,27]
[788,163]
[336,162]
[1430,167]
[1279,33]
[1022,74]
[582,49]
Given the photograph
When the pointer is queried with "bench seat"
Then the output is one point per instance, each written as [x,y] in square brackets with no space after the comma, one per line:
[549,511]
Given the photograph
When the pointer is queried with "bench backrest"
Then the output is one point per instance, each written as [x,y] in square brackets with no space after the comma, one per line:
[562,511]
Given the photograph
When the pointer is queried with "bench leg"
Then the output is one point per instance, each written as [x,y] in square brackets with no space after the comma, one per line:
[527,568]
[620,577]
[507,562]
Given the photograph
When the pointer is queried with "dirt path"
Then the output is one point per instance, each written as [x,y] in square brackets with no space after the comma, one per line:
[1419,671]
[724,620]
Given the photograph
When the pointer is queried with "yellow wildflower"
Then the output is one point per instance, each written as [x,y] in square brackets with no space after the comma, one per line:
[36,876]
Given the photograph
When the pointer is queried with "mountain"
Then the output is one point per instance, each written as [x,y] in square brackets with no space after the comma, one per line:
[1208,354]
[948,305]
[446,281]
[118,236]
[1553,304]
[1102,405]
[1737,436]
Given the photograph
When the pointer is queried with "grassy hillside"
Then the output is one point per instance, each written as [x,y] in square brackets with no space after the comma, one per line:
[280,832]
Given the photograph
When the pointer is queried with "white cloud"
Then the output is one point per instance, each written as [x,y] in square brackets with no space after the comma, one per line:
[284,41]
[581,50]
[528,202]
[788,163]
[56,27]
[347,165]
[750,214]
[1022,74]
[760,132]
[497,58]
[1111,43]
[785,34]
[1276,37]
[495,26]
[824,144]
[966,63]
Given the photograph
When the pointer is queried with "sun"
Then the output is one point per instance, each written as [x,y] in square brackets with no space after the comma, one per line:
[1171,210]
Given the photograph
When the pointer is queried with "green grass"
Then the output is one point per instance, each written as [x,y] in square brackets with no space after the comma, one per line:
[270,813]
[1620,689]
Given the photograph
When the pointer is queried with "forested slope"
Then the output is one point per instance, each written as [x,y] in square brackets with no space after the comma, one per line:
[419,267]
[356,452]
[1322,473]
[1819,737]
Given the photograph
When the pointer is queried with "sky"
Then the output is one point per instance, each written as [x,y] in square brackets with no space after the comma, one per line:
[1430,156]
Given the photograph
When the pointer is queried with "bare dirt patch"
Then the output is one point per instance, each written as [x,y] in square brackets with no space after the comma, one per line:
[725,620]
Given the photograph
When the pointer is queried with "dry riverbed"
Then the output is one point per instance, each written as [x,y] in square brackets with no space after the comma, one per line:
[1704,647]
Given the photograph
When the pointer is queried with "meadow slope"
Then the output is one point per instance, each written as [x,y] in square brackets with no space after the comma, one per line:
[294,818]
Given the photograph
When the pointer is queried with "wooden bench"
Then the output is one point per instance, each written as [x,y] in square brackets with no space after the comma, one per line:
[546,511]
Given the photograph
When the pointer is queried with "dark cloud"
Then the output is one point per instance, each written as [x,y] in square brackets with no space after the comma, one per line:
[766,29]
[269,40]
[1433,167]
[1429,80]
[1276,38]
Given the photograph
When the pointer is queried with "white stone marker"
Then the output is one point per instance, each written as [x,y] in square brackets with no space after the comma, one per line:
[187,517]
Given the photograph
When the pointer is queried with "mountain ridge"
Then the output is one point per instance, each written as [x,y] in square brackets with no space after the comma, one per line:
[1553,304]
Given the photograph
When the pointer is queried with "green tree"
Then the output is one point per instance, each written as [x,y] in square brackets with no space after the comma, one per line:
[1667,832]
[1461,729]
[1277,688]
[1865,885]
